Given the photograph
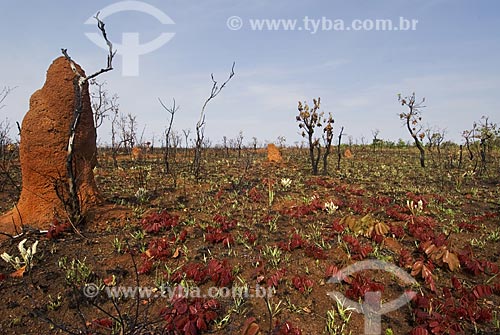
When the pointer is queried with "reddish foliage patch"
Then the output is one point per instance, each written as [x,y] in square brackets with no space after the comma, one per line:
[220,272]
[360,285]
[157,222]
[189,316]
[446,314]
[302,283]
[359,251]
[57,228]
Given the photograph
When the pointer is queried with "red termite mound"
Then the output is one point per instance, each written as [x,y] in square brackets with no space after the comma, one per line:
[273,154]
[43,151]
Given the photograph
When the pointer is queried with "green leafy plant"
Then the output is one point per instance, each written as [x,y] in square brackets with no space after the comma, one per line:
[273,255]
[77,271]
[332,325]
[274,309]
[117,245]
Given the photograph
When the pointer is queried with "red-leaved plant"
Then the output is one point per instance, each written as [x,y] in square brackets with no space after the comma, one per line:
[189,316]
[157,222]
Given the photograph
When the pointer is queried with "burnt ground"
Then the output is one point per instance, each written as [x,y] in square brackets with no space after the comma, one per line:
[242,227]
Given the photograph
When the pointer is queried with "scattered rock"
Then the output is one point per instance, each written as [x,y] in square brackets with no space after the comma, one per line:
[43,150]
[392,244]
[273,154]
[250,327]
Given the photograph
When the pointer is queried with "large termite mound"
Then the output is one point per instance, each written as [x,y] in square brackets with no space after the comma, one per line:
[43,152]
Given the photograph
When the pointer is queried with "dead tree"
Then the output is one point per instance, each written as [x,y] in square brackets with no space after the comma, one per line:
[4,138]
[487,133]
[80,82]
[339,154]
[4,125]
[4,93]
[200,125]
[327,139]
[186,133]
[125,127]
[114,143]
[254,144]
[225,145]
[375,141]
[467,135]
[171,110]
[412,119]
[481,138]
[239,143]
[438,137]
[281,140]
[102,103]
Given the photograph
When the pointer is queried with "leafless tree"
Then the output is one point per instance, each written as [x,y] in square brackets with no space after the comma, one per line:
[480,139]
[254,143]
[434,137]
[339,154]
[327,141]
[170,110]
[186,133]
[412,119]
[73,205]
[175,141]
[5,125]
[438,138]
[239,143]
[128,134]
[281,141]
[8,150]
[4,137]
[103,104]
[200,125]
[225,145]
[375,140]
[4,93]
[114,142]
[467,134]
[487,133]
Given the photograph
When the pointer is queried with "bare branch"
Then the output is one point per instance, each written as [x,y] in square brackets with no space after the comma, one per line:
[111,53]
[4,93]
[200,125]
[171,110]
[102,102]
[216,90]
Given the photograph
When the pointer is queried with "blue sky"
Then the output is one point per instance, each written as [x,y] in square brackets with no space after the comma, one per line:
[452,59]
